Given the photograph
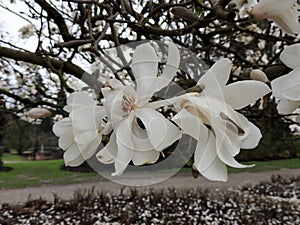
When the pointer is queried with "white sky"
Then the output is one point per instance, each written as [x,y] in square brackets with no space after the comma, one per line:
[11,23]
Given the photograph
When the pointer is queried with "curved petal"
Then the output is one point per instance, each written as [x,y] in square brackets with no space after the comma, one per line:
[87,118]
[124,131]
[253,137]
[107,154]
[207,162]
[287,21]
[60,127]
[216,77]
[286,106]
[217,171]
[80,99]
[205,153]
[290,56]
[140,138]
[144,67]
[67,139]
[123,157]
[243,93]
[85,137]
[169,70]
[226,146]
[161,132]
[287,86]
[88,149]
[142,158]
[72,156]
[191,125]
[125,145]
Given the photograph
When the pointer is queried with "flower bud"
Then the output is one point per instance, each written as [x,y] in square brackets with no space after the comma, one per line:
[184,13]
[259,75]
[38,113]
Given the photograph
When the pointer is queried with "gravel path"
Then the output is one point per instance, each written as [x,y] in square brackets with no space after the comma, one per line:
[180,182]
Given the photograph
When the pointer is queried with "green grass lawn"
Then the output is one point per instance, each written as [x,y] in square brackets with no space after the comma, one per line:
[263,165]
[269,165]
[12,157]
[37,173]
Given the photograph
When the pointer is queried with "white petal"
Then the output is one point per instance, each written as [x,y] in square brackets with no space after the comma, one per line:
[266,8]
[290,56]
[87,118]
[217,171]
[67,139]
[287,86]
[107,154]
[191,125]
[144,67]
[287,107]
[142,158]
[72,156]
[88,150]
[225,147]
[125,145]
[205,153]
[287,21]
[85,137]
[161,132]
[140,138]
[60,127]
[243,93]
[207,162]
[124,131]
[80,99]
[123,157]
[113,106]
[216,77]
[253,138]
[169,70]
[226,140]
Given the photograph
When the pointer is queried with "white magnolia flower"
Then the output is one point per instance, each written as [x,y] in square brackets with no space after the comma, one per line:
[287,88]
[140,132]
[80,134]
[39,113]
[210,118]
[284,13]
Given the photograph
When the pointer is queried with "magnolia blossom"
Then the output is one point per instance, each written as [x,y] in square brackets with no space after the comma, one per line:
[284,13]
[210,118]
[140,133]
[287,88]
[80,134]
[39,113]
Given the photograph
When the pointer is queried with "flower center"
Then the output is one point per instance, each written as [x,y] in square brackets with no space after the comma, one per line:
[128,103]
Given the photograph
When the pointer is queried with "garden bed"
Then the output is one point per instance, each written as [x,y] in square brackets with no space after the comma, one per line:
[275,202]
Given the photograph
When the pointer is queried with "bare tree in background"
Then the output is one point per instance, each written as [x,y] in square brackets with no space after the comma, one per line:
[73,33]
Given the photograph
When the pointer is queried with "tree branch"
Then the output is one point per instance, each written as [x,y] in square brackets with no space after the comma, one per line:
[58,19]
[52,64]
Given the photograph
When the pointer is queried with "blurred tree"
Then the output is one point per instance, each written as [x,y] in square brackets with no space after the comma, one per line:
[23,136]
[68,36]
[3,121]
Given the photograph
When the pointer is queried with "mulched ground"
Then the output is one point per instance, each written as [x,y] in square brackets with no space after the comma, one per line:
[273,202]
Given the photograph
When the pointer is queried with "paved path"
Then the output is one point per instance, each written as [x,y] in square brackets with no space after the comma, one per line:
[180,182]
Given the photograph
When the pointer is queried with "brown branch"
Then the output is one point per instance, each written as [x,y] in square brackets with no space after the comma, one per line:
[58,19]
[53,65]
